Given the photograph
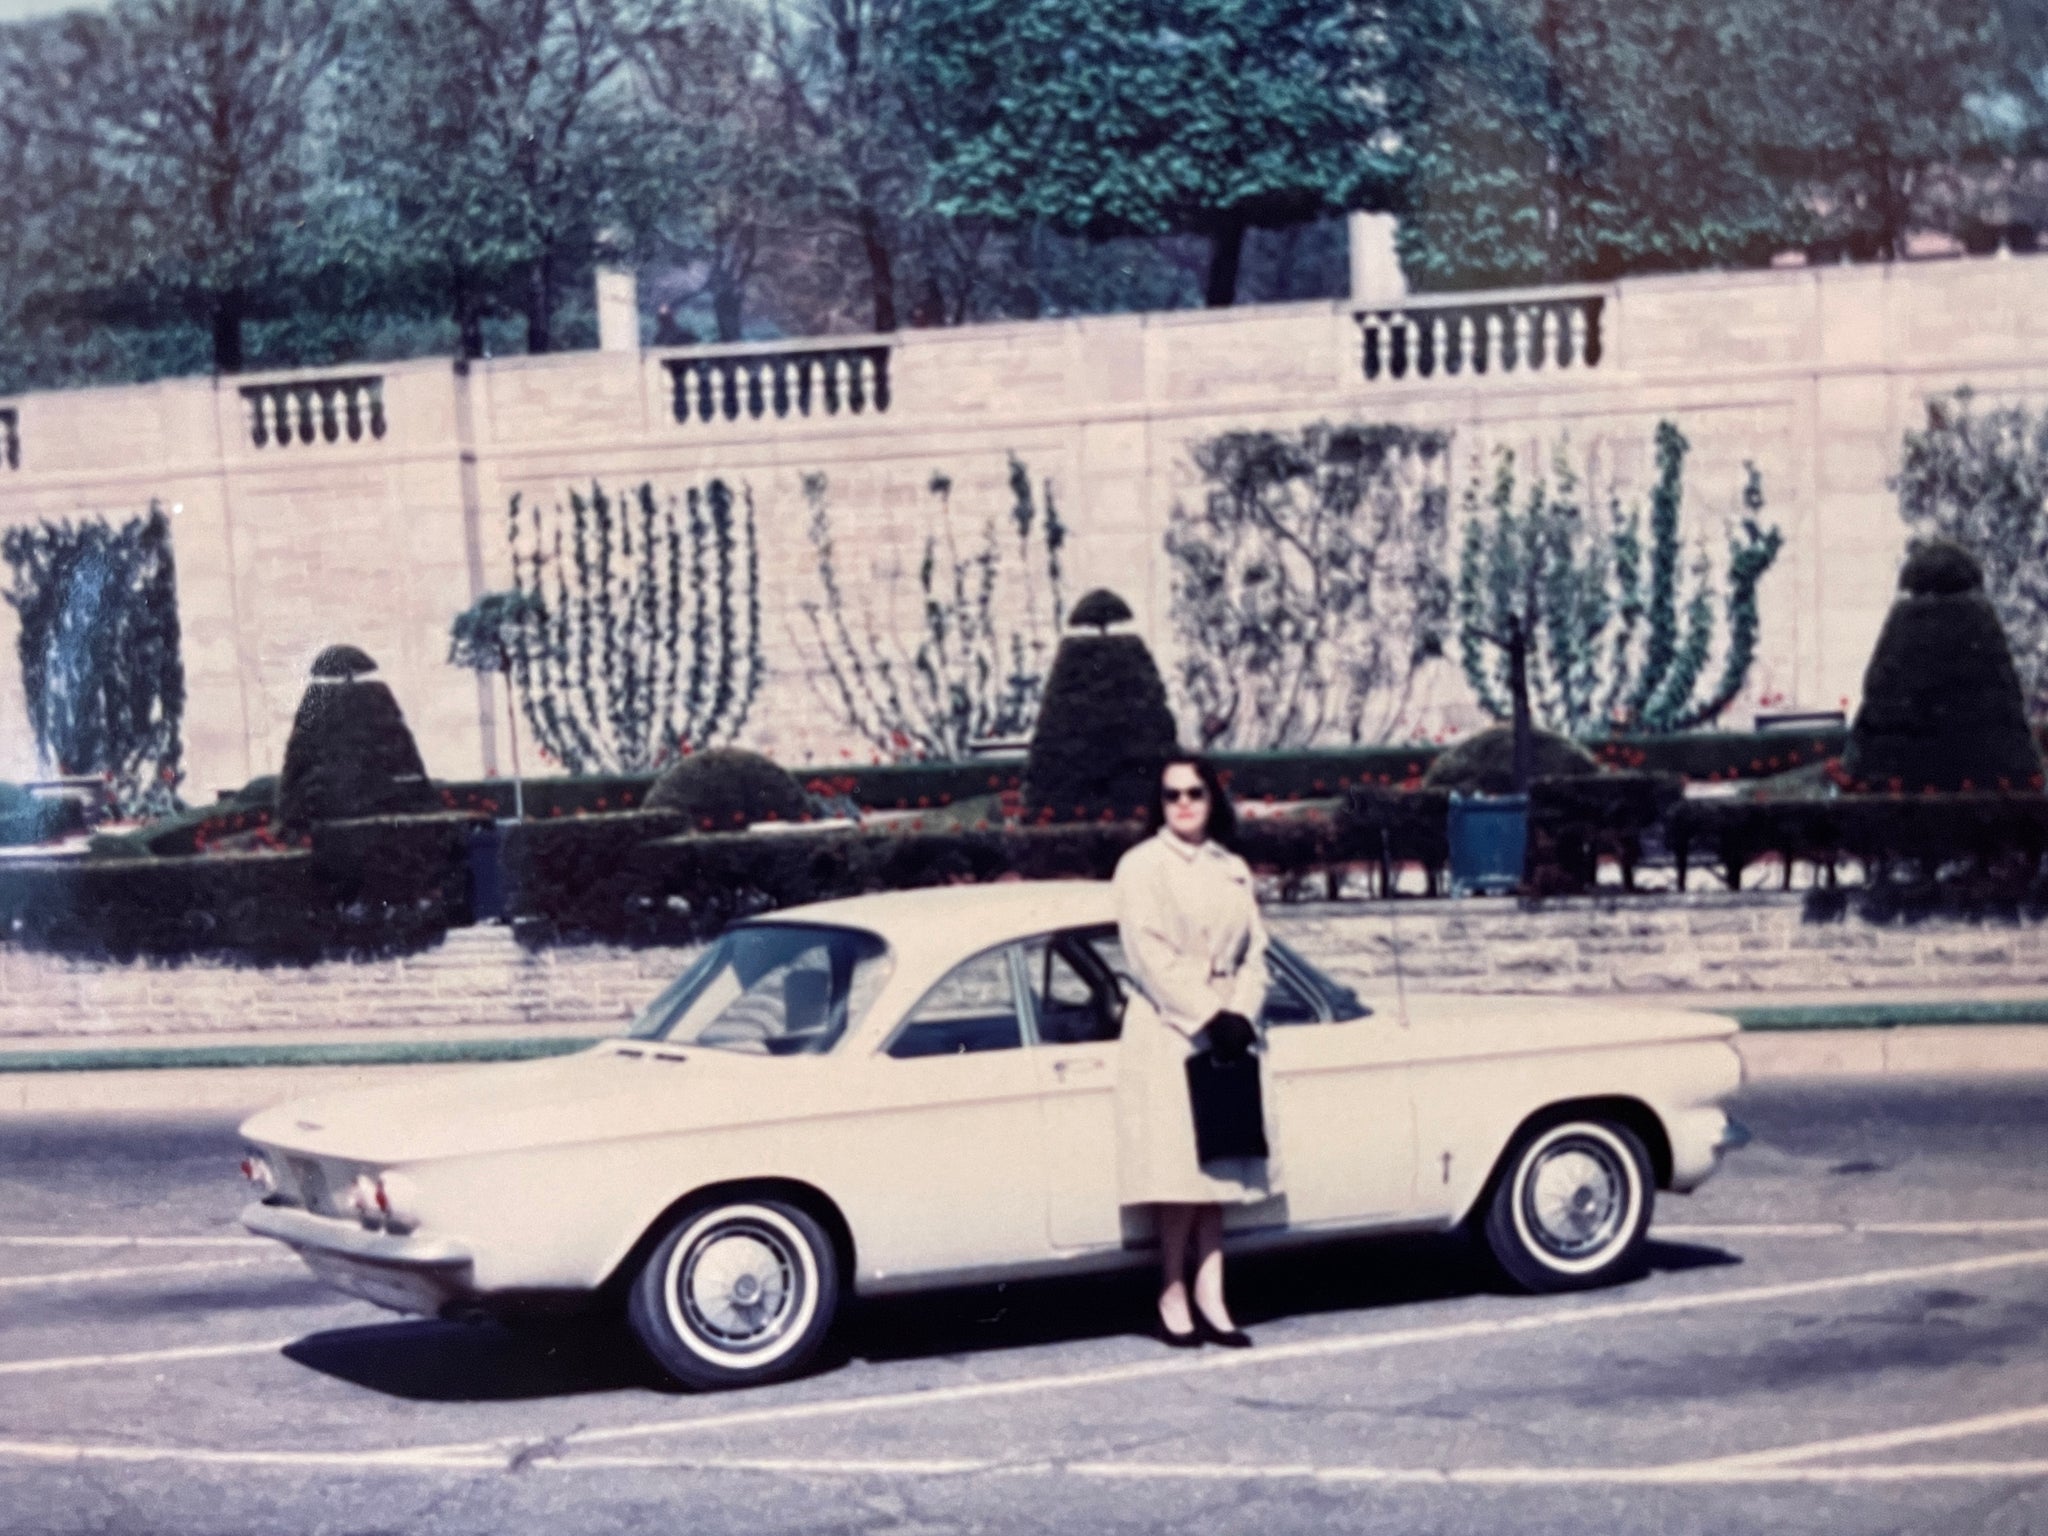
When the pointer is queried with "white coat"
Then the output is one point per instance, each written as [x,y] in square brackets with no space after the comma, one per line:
[1191,932]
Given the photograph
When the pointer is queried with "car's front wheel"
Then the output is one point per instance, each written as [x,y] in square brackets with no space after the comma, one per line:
[1571,1206]
[739,1291]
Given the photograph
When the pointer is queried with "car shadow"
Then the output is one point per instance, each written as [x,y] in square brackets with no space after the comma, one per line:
[482,1362]
[1353,1276]
[490,1362]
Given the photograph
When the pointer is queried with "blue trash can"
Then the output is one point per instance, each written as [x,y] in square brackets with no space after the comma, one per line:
[486,875]
[1489,838]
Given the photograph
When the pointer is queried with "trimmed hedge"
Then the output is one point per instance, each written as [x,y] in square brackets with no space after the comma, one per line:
[365,889]
[1988,840]
[1574,822]
[1707,757]
[33,819]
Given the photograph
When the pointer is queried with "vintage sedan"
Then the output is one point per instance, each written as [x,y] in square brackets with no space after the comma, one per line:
[916,1089]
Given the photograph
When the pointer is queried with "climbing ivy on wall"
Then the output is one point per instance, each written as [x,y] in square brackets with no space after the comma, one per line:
[643,636]
[1559,597]
[101,666]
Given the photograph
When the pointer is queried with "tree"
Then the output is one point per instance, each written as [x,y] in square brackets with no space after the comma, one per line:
[479,148]
[1570,139]
[1980,478]
[1206,117]
[1308,586]
[1559,626]
[978,669]
[101,663]
[184,122]
[649,639]
[489,636]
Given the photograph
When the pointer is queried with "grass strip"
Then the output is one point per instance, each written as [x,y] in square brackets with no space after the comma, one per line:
[386,1053]
[1875,1015]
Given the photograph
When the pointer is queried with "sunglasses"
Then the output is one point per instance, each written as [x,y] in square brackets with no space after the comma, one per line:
[1194,796]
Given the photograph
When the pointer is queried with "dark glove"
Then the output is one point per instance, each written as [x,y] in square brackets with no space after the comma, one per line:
[1230,1036]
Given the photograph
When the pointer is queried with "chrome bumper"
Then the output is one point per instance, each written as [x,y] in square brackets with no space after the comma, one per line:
[394,1270]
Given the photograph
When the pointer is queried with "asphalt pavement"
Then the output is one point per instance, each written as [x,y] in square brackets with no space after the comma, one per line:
[1846,1331]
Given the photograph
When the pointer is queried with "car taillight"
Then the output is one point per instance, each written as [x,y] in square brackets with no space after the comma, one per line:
[257,1170]
[398,1200]
[362,1199]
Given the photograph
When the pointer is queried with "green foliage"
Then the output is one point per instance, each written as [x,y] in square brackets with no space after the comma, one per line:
[1101,733]
[490,633]
[1098,610]
[1206,117]
[1484,764]
[1608,651]
[342,663]
[1308,587]
[978,669]
[1578,819]
[647,640]
[1941,701]
[1573,139]
[101,664]
[350,754]
[727,787]
[1980,478]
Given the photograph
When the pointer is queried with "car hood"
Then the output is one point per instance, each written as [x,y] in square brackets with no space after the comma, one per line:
[1459,1024]
[615,1089]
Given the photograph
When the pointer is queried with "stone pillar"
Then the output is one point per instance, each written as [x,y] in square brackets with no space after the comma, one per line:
[1376,276]
[618,310]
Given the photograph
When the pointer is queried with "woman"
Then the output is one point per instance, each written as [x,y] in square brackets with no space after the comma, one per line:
[1191,932]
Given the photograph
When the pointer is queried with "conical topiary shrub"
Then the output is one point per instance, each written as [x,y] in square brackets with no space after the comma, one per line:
[1103,726]
[1941,699]
[350,752]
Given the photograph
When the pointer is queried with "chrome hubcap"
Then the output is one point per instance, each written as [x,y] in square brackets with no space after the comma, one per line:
[1576,1198]
[739,1286]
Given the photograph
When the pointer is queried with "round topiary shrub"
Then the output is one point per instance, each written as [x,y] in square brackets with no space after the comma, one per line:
[1485,764]
[350,753]
[728,787]
[1942,707]
[1103,726]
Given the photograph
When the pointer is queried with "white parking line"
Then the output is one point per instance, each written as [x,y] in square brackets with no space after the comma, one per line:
[2011,1228]
[137,1271]
[561,1452]
[40,1240]
[1886,1440]
[142,1357]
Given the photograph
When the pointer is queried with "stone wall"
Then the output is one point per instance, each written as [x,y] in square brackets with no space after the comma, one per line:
[382,510]
[1698,946]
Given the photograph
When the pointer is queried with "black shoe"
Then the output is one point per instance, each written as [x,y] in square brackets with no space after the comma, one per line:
[1229,1338]
[1192,1339]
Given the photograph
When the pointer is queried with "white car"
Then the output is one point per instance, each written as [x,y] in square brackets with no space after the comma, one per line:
[916,1089]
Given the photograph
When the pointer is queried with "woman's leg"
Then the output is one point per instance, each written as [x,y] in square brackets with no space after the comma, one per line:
[1176,1222]
[1209,1268]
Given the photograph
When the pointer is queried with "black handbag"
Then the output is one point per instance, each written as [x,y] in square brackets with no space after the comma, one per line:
[1230,1119]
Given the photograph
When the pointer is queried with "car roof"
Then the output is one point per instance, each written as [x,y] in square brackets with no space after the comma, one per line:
[972,916]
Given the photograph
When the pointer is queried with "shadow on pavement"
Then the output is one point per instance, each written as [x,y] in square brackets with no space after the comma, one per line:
[480,1362]
[488,1362]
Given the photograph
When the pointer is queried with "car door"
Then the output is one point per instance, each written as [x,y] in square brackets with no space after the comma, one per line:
[1076,1014]
[954,1124]
[1346,1103]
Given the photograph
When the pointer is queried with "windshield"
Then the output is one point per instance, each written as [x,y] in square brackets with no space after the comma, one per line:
[1343,1003]
[771,989]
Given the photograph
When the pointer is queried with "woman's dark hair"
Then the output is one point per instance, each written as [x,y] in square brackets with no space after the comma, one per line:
[1222,826]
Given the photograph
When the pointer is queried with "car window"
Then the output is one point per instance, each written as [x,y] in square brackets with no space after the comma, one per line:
[1073,999]
[1342,1003]
[972,1008]
[771,990]
[1286,1002]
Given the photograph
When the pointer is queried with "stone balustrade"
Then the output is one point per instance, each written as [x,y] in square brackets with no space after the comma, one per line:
[302,412]
[10,439]
[780,384]
[1552,330]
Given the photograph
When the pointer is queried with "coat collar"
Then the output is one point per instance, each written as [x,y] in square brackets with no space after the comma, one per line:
[1188,852]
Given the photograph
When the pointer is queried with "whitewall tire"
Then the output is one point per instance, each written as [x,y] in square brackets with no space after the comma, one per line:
[738,1292]
[1572,1206]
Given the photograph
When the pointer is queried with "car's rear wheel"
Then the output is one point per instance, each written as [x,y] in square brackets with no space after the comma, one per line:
[739,1291]
[1571,1206]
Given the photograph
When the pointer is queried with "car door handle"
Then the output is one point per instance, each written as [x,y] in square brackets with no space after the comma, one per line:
[1083,1066]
